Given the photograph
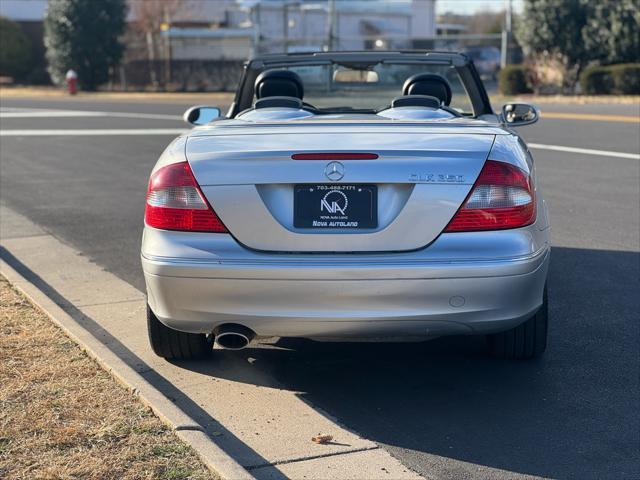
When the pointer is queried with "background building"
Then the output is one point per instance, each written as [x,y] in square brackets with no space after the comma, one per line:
[201,44]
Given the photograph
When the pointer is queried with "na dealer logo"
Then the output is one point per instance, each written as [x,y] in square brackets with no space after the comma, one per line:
[334,202]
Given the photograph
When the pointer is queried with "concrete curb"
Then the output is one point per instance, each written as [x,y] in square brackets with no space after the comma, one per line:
[258,424]
[185,427]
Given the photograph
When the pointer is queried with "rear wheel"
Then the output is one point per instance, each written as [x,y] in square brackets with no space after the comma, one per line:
[175,345]
[527,340]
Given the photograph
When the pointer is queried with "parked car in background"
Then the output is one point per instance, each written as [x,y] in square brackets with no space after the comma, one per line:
[335,202]
[486,61]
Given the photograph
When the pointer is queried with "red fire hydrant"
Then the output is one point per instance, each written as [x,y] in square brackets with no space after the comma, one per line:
[72,82]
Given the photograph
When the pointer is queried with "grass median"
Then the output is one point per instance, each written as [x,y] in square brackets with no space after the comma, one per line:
[63,417]
[55,93]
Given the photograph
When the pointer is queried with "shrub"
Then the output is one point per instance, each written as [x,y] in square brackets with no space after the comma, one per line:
[623,79]
[512,80]
[15,53]
[596,80]
[626,78]
[547,73]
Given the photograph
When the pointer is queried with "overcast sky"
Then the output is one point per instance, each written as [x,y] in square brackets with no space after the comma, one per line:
[474,6]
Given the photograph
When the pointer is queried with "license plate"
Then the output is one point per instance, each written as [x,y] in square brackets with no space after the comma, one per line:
[335,206]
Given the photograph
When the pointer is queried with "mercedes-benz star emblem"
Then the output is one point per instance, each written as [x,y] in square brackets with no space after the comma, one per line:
[334,171]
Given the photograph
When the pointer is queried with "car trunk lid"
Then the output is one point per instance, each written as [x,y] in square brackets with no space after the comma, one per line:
[421,176]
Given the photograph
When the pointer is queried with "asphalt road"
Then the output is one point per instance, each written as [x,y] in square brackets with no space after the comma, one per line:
[441,407]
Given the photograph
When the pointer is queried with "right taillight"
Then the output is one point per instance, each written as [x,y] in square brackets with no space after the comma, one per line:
[502,198]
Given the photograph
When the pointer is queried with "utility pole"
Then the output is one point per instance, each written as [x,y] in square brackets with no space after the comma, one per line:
[257,38]
[285,26]
[167,45]
[151,50]
[506,35]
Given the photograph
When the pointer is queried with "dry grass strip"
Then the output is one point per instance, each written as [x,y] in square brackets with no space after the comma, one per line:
[63,417]
[207,98]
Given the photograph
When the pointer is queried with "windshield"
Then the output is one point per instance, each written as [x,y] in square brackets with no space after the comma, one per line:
[333,87]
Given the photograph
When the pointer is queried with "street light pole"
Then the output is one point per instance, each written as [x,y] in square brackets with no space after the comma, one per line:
[506,35]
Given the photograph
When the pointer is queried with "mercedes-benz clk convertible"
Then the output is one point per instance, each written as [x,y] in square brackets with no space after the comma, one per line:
[348,196]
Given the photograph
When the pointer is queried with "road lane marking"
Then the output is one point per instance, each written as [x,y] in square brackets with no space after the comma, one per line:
[50,114]
[93,132]
[56,113]
[180,131]
[596,117]
[8,112]
[585,151]
[151,116]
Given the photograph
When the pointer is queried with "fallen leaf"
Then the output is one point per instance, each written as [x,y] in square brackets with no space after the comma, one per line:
[322,439]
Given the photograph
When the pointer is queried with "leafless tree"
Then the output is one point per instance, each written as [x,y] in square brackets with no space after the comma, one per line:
[150,17]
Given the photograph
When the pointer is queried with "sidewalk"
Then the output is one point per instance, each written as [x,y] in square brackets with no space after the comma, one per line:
[56,399]
[242,411]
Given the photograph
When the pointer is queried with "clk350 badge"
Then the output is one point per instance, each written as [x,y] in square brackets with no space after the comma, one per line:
[435,178]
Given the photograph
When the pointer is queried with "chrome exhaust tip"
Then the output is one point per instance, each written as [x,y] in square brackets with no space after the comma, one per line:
[233,337]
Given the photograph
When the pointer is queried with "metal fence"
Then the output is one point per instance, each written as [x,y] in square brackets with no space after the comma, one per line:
[179,75]
[205,68]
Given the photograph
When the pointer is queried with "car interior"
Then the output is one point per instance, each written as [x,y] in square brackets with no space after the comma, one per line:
[285,89]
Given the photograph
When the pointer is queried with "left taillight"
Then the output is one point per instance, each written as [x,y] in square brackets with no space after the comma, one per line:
[175,202]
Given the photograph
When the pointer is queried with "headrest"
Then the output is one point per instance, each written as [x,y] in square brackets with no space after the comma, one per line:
[429,84]
[415,101]
[278,83]
[278,102]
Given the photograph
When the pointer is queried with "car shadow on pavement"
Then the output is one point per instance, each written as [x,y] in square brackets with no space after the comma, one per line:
[571,414]
[233,445]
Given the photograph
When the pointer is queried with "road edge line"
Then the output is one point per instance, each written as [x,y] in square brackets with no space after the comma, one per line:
[583,151]
[216,459]
[592,117]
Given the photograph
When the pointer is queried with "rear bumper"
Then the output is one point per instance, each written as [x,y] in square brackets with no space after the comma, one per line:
[462,284]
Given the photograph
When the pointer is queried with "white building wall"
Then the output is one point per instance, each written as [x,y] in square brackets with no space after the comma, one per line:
[423,19]
[395,24]
[357,31]
[216,48]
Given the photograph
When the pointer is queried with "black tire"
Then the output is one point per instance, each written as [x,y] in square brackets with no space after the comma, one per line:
[527,340]
[175,345]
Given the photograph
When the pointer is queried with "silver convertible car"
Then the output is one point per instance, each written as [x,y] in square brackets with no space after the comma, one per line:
[345,197]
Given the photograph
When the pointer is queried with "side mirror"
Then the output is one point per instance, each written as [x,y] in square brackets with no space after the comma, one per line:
[518,114]
[201,115]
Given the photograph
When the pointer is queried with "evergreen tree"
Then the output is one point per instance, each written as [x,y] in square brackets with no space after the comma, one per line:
[15,51]
[84,35]
[579,32]
[612,31]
